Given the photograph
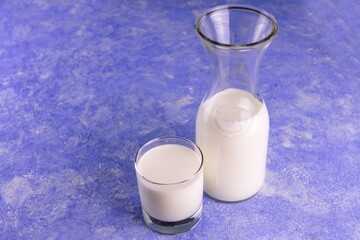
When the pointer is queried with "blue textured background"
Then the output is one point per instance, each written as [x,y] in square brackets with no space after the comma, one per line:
[83,84]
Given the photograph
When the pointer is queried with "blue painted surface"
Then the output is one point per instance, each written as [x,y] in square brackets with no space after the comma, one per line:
[83,84]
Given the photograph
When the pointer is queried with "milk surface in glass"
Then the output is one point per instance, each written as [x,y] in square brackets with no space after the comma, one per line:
[232,130]
[170,187]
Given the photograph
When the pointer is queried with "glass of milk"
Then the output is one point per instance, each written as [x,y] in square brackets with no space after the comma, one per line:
[169,174]
[232,124]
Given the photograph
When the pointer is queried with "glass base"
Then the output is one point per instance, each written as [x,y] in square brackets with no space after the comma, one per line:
[172,227]
[231,201]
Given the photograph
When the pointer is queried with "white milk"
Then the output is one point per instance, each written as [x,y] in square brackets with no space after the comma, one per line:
[232,129]
[169,164]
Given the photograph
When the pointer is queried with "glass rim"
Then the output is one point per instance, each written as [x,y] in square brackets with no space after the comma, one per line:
[169,138]
[241,7]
